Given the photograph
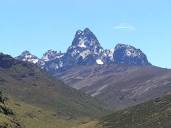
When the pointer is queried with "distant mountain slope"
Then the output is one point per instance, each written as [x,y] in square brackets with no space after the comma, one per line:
[119,85]
[28,83]
[152,114]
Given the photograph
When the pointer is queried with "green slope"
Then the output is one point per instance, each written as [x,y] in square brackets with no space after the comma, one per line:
[26,83]
[152,114]
[7,119]
[17,114]
[30,116]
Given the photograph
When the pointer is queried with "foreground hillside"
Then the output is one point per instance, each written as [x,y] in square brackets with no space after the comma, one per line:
[17,114]
[30,116]
[7,118]
[33,88]
[152,114]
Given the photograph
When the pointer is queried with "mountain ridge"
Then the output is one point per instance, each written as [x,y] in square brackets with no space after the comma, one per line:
[85,49]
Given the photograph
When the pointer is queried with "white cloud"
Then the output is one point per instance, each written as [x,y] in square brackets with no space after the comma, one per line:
[125,26]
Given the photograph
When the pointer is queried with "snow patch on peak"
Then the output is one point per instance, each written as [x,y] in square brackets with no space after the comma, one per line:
[130,52]
[99,61]
[35,61]
[85,53]
[28,57]
[81,43]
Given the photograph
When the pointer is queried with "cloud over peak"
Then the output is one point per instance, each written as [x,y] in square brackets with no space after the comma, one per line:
[125,26]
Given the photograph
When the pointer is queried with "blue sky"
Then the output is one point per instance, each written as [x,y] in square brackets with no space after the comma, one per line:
[39,25]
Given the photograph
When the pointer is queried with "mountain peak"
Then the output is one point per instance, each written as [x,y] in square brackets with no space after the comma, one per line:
[85,38]
[26,52]
[85,48]
[87,30]
[6,61]
[127,54]
[122,45]
[28,57]
[52,55]
[50,51]
[83,32]
[78,32]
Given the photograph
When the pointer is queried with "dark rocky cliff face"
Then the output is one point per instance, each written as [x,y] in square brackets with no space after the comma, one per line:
[126,54]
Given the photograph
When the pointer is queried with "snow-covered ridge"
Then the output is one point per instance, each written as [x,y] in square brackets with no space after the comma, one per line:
[27,56]
[86,50]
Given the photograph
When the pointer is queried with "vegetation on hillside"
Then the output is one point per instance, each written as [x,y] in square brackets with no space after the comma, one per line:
[152,114]
[18,114]
[7,117]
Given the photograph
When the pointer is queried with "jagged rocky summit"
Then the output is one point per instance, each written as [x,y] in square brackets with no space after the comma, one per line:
[86,50]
